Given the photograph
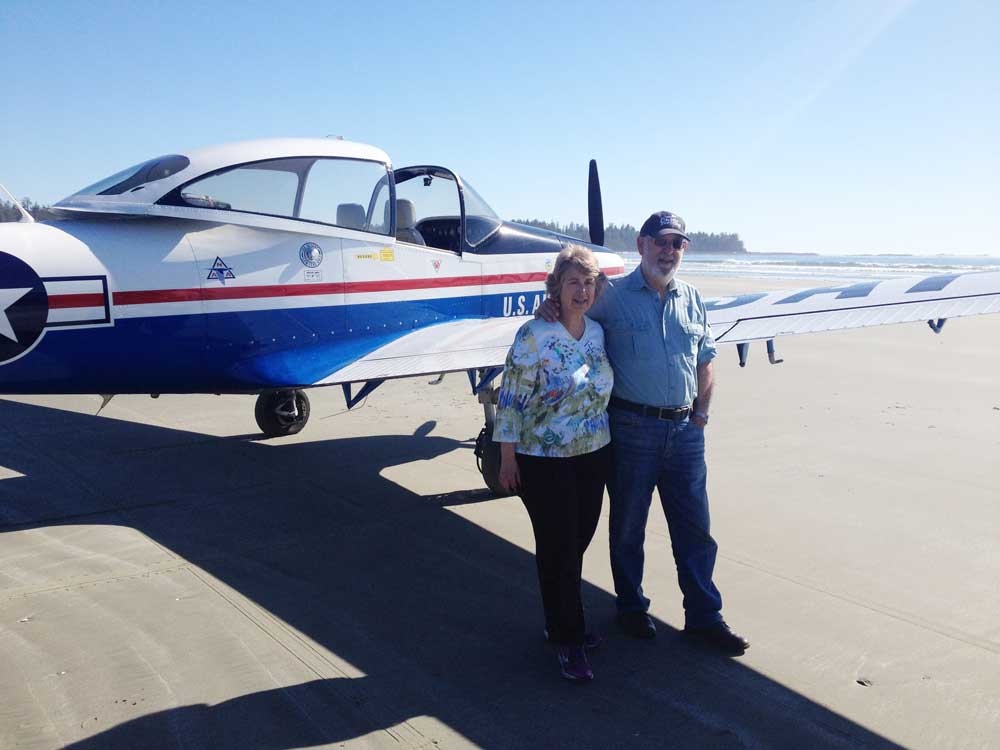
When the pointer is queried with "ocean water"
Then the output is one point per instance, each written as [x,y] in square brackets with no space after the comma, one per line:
[841,268]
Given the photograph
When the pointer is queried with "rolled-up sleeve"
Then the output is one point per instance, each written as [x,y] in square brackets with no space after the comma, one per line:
[520,375]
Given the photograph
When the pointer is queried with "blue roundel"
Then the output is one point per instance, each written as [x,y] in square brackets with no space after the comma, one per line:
[24,307]
[311,255]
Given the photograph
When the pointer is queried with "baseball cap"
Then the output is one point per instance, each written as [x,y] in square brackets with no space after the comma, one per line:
[662,224]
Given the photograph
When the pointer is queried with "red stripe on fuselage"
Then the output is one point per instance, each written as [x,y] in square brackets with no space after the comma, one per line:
[156,296]
[159,296]
[63,301]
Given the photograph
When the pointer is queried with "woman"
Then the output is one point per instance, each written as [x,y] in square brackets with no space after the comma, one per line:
[553,433]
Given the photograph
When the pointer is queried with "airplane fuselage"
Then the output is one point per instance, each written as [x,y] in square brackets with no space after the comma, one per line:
[160,305]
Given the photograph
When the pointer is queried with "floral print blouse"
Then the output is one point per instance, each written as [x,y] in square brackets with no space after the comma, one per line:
[555,391]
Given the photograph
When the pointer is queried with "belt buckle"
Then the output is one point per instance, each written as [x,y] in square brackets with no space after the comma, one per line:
[666,414]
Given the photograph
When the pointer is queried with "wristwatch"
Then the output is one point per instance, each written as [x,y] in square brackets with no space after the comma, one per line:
[701,414]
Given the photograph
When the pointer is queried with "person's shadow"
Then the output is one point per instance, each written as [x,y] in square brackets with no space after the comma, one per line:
[441,617]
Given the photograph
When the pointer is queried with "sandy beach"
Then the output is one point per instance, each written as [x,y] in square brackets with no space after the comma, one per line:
[167,579]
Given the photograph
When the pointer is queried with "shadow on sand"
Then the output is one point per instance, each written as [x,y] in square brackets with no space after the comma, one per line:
[441,616]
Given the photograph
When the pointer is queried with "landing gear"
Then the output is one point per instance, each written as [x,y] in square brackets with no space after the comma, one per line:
[281,413]
[488,451]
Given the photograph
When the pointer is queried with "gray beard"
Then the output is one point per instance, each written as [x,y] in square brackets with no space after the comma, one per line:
[665,277]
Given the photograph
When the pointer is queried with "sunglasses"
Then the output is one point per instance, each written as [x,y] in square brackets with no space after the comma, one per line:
[676,242]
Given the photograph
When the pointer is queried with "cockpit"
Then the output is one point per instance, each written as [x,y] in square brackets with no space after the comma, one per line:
[328,182]
[429,209]
[340,191]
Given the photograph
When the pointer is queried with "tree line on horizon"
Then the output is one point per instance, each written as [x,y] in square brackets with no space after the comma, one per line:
[622,238]
[9,212]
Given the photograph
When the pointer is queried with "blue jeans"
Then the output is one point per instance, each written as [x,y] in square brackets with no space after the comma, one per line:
[648,452]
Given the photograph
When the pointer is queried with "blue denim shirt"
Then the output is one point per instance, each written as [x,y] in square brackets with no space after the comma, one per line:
[655,345]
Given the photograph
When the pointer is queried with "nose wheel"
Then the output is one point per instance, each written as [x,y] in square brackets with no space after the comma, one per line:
[281,413]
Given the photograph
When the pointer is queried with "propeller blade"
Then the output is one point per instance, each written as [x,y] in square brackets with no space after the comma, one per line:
[595,209]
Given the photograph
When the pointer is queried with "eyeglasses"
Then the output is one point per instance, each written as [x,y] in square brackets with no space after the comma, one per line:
[676,242]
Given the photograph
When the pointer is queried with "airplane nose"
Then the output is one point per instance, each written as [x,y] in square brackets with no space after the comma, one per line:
[14,241]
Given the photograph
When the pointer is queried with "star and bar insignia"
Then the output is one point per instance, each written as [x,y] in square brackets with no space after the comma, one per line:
[30,305]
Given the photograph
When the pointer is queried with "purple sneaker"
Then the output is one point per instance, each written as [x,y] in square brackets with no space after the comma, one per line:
[573,664]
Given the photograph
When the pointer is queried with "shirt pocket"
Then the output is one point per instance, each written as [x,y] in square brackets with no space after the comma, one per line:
[630,339]
[687,339]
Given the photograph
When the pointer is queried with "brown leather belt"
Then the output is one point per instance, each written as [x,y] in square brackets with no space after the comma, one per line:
[674,415]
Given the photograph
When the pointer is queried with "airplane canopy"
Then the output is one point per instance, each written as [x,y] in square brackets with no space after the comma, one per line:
[138,189]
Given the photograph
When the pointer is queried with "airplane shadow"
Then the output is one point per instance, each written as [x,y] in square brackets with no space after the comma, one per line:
[442,617]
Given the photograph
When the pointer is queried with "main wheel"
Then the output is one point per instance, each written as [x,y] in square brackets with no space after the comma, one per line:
[488,461]
[281,413]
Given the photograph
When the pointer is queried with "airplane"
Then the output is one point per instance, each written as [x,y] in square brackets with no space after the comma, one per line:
[271,266]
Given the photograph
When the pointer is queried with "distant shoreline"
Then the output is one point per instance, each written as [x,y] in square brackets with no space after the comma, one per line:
[868,255]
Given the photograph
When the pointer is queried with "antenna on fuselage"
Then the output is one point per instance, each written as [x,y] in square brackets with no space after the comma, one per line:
[26,218]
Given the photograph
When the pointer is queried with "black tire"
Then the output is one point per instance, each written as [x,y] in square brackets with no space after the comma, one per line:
[272,412]
[488,462]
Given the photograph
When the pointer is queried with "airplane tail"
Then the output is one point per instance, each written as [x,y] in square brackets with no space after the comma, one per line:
[26,218]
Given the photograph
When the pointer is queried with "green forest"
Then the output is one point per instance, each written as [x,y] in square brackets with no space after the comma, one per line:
[620,238]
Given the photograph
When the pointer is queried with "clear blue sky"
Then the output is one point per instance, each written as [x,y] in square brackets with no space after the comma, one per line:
[850,126]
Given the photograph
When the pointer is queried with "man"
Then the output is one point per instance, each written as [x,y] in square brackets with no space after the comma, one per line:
[661,349]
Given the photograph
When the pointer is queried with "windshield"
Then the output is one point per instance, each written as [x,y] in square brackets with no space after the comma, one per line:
[140,174]
[475,205]
[480,220]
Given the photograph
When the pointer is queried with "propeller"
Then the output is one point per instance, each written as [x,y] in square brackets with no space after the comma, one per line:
[595,209]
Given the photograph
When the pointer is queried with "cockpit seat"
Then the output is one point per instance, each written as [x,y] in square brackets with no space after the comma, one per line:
[351,216]
[406,229]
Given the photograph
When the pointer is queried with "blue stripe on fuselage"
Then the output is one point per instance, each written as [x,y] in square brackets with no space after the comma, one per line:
[232,352]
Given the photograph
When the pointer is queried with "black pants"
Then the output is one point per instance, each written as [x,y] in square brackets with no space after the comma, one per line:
[563,497]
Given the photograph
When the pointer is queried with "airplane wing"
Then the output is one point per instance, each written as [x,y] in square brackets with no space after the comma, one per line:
[752,317]
[448,347]
[483,342]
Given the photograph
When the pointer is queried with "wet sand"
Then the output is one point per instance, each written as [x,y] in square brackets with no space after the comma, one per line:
[167,579]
